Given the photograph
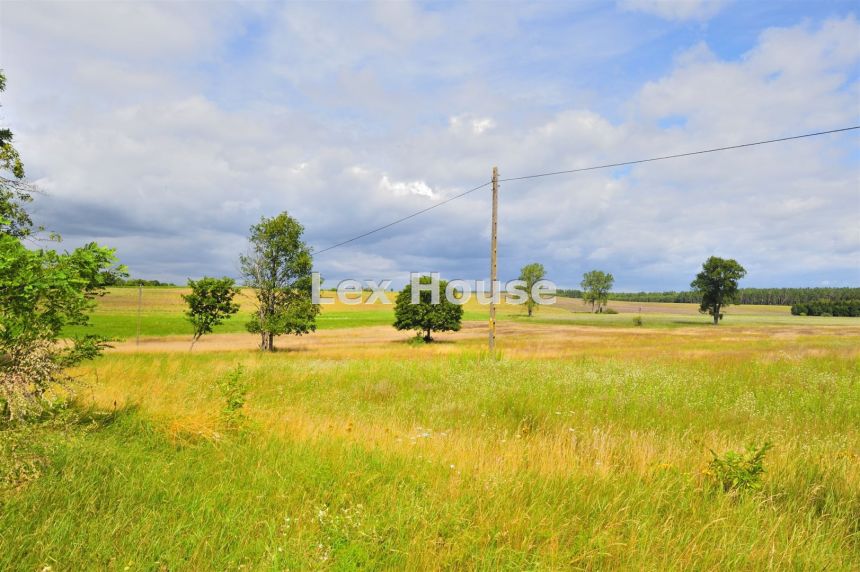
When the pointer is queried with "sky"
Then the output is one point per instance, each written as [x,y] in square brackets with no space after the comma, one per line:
[166,129]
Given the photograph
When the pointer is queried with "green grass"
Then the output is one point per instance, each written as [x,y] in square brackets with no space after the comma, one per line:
[424,461]
[120,325]
[575,449]
[162,315]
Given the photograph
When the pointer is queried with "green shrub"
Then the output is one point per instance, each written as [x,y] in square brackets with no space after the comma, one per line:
[739,471]
[609,311]
[417,340]
[637,321]
[22,458]
[234,389]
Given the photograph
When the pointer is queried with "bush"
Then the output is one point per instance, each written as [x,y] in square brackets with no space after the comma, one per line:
[637,321]
[234,390]
[609,311]
[739,471]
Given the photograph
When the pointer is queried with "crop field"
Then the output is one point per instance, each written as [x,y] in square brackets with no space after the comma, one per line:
[584,443]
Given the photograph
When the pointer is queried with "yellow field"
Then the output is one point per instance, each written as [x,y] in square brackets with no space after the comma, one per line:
[584,443]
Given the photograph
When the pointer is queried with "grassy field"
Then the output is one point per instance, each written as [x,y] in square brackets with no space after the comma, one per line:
[161,314]
[584,444]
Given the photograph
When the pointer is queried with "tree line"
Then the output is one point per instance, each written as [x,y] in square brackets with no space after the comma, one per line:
[840,308]
[119,282]
[758,296]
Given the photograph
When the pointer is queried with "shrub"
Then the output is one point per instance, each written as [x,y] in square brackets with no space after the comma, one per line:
[637,321]
[739,471]
[22,456]
[234,390]
[610,311]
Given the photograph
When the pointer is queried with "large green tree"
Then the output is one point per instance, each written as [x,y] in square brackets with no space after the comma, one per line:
[531,274]
[596,286]
[209,304]
[278,267]
[426,317]
[717,283]
[41,292]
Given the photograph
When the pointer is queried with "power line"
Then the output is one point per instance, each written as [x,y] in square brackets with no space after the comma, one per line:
[691,153]
[398,221]
[580,170]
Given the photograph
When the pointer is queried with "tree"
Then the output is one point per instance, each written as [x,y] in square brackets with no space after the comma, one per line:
[718,285]
[596,286]
[278,267]
[531,274]
[209,304]
[14,192]
[41,292]
[426,317]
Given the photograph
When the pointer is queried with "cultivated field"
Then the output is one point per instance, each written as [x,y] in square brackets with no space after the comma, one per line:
[584,444]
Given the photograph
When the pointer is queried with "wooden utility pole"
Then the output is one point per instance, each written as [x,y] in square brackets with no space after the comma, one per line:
[493,252]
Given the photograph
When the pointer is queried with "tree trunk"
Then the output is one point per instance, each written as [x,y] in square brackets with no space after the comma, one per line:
[271,342]
[427,337]
[530,310]
[716,314]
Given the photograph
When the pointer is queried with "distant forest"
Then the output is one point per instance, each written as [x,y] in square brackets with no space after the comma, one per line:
[135,282]
[763,296]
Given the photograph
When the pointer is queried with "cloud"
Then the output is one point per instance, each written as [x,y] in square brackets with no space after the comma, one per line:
[676,10]
[400,188]
[351,117]
[468,124]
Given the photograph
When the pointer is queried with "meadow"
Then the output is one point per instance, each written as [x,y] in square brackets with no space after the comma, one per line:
[583,443]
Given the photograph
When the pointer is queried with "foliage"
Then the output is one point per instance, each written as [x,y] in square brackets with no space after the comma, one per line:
[637,321]
[209,304]
[234,390]
[718,285]
[42,292]
[14,193]
[739,471]
[759,296]
[278,267]
[22,456]
[596,285]
[839,308]
[426,317]
[119,282]
[531,274]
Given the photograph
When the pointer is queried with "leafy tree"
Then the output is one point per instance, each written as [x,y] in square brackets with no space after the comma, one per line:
[595,288]
[278,267]
[41,292]
[209,304]
[14,192]
[718,285]
[531,274]
[426,317]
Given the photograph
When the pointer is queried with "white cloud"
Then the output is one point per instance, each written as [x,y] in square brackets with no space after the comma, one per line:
[349,132]
[678,10]
[469,124]
[401,188]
